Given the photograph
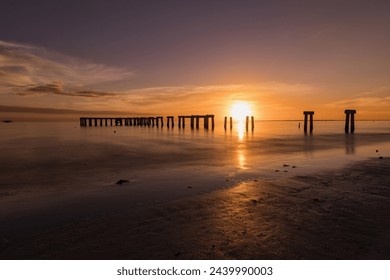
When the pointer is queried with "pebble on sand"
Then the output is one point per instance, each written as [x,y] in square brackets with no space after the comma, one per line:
[120,182]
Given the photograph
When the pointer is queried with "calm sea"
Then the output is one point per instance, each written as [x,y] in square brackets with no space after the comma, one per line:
[52,156]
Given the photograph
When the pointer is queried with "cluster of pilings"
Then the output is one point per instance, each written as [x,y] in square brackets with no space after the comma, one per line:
[149,121]
[246,123]
[137,121]
[194,121]
[349,118]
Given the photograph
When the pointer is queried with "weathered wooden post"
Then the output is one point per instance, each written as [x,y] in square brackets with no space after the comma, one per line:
[197,122]
[310,114]
[246,122]
[192,120]
[349,113]
[161,121]
[225,123]
[206,122]
[170,119]
[231,123]
[212,122]
[253,122]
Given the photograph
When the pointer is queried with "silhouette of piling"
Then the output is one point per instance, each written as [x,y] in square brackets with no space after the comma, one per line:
[310,115]
[147,121]
[350,115]
[253,122]
[170,121]
[194,121]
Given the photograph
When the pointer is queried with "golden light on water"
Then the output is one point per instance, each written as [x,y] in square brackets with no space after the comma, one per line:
[241,159]
[240,129]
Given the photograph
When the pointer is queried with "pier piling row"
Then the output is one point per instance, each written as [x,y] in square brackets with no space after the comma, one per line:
[134,121]
[350,115]
[310,114]
[194,121]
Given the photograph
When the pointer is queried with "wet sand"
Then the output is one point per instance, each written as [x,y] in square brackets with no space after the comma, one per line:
[333,214]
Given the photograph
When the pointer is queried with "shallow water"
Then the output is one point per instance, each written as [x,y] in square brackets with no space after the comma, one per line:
[63,156]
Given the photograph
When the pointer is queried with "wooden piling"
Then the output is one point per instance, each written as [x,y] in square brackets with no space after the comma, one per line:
[253,122]
[246,122]
[206,122]
[170,120]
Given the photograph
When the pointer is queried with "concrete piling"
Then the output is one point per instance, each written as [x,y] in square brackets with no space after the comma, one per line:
[310,115]
[350,118]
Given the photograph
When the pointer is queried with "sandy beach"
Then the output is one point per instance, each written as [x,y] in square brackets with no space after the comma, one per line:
[332,214]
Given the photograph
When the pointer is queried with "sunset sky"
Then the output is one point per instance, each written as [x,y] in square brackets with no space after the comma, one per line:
[195,57]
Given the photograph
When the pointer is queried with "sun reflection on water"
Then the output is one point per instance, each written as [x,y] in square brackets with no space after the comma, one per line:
[240,130]
[241,159]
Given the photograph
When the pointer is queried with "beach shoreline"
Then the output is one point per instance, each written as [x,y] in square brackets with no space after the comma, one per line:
[332,214]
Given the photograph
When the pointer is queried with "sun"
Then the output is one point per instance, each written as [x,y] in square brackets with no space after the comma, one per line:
[239,110]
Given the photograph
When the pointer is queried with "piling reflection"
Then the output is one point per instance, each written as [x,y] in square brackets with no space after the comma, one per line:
[350,144]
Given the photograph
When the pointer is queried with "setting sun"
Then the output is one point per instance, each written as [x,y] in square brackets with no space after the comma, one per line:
[239,110]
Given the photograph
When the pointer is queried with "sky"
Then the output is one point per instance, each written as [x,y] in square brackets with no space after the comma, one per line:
[195,57]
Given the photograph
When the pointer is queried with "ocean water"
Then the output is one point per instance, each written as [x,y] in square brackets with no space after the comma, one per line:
[45,157]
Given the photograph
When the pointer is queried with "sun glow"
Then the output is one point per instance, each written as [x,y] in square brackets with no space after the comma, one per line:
[239,110]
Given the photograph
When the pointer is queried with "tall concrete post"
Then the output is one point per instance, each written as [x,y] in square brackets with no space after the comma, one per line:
[310,114]
[350,115]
